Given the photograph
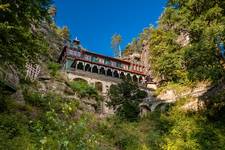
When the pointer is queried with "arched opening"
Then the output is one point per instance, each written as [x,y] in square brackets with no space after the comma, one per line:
[80,80]
[116,74]
[102,71]
[122,75]
[80,66]
[95,69]
[99,86]
[129,77]
[135,79]
[109,72]
[88,67]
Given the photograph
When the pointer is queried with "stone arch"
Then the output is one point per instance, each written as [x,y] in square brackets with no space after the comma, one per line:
[135,79]
[144,109]
[88,67]
[80,66]
[128,77]
[116,74]
[80,80]
[99,86]
[95,69]
[102,70]
[122,75]
[109,72]
[161,107]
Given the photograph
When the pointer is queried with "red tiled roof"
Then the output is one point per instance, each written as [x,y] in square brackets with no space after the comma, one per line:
[108,57]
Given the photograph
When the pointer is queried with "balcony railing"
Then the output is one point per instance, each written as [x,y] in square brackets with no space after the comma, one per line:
[78,54]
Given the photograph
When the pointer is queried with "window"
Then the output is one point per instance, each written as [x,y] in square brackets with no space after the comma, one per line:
[101,60]
[94,59]
[119,65]
[113,64]
[124,66]
[107,62]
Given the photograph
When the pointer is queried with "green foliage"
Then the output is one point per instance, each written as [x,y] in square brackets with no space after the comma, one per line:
[14,132]
[48,121]
[123,135]
[53,128]
[63,32]
[174,60]
[53,67]
[125,99]
[84,90]
[134,46]
[19,40]
[190,130]
[3,105]
[216,104]
[54,124]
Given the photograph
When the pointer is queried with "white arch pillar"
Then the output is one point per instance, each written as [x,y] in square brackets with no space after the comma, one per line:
[119,73]
[112,72]
[132,75]
[98,67]
[84,66]
[106,69]
[77,64]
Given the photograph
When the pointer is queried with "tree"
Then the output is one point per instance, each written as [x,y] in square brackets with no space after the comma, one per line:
[19,39]
[201,21]
[125,99]
[115,43]
[63,32]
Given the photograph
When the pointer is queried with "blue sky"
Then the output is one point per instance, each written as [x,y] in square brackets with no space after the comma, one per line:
[95,21]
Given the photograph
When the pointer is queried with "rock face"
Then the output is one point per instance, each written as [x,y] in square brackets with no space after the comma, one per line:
[194,105]
[183,39]
[167,95]
[152,86]
[193,94]
[18,96]
[61,88]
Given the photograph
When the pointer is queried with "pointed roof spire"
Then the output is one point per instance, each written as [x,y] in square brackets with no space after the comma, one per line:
[76,41]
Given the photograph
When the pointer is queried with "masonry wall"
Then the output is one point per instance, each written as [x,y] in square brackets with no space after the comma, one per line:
[92,79]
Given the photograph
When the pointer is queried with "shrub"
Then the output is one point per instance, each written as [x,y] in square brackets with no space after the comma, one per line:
[53,67]
[84,90]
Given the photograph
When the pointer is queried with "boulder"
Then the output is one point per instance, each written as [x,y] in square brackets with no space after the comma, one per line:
[152,86]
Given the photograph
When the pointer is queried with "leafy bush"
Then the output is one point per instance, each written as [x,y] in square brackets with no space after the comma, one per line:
[84,90]
[14,132]
[33,98]
[53,67]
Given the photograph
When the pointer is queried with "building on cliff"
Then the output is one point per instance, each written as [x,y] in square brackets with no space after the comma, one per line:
[99,70]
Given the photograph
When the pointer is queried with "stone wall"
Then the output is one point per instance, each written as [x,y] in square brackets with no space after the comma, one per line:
[92,79]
